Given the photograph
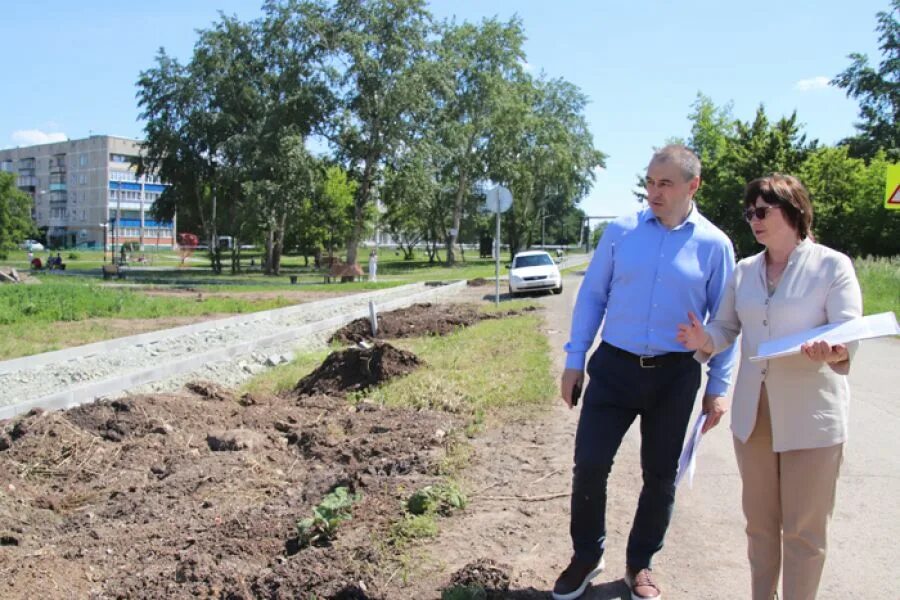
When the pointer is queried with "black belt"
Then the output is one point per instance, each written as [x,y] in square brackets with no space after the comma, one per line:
[651,362]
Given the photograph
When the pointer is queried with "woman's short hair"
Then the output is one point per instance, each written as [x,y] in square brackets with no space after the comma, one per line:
[787,192]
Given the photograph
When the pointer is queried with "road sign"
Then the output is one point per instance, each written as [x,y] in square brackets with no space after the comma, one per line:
[498,199]
[892,189]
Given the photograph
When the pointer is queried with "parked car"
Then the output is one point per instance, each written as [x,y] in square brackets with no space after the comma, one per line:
[32,245]
[532,271]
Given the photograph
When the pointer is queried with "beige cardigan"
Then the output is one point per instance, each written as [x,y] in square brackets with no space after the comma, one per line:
[809,401]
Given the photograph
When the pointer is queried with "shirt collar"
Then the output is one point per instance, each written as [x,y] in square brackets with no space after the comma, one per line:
[693,217]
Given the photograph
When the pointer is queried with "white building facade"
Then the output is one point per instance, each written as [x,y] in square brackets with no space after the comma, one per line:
[86,193]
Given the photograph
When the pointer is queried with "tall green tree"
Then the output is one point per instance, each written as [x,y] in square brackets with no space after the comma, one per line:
[15,214]
[732,153]
[877,89]
[542,149]
[383,89]
[478,67]
[848,202]
[220,129]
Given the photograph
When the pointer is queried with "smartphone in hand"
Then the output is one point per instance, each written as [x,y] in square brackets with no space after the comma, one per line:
[576,394]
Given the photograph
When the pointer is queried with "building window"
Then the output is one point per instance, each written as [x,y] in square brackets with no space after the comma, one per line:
[83,160]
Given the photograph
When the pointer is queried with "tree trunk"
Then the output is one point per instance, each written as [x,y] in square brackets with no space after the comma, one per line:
[457,217]
[362,199]
[279,244]
[270,243]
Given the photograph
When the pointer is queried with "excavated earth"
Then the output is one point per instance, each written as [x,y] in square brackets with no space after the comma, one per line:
[197,493]
[418,320]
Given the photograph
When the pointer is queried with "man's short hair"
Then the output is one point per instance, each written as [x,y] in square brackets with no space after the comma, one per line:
[682,156]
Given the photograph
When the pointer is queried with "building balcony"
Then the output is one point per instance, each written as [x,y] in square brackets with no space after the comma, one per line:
[57,187]
[27,181]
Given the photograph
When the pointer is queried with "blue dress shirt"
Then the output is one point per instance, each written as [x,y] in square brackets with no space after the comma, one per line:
[644,278]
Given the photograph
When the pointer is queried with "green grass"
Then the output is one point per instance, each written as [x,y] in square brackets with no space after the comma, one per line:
[491,365]
[495,364]
[73,300]
[879,279]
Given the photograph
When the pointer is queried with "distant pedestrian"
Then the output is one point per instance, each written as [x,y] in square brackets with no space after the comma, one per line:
[373,266]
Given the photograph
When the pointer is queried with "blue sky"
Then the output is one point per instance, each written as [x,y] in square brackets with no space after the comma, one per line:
[71,66]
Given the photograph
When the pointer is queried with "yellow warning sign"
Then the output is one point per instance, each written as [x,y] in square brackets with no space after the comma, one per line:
[892,189]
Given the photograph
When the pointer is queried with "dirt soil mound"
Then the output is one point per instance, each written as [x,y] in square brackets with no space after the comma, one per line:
[198,495]
[356,369]
[418,320]
[484,574]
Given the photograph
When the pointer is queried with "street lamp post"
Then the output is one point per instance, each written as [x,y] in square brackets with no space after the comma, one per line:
[105,227]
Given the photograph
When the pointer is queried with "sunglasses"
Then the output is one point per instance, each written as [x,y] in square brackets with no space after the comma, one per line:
[760,212]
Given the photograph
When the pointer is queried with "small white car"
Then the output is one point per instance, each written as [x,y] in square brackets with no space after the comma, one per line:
[534,270]
[31,245]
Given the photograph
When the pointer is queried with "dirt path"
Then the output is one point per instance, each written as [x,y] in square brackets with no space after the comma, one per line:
[522,474]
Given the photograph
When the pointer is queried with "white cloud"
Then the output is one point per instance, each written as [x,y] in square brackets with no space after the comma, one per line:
[812,84]
[31,137]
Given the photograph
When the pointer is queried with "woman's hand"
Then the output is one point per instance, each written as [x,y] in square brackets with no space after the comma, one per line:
[822,351]
[692,336]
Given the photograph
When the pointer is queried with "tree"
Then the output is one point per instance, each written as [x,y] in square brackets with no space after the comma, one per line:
[543,151]
[335,206]
[382,91]
[221,128]
[733,153]
[878,92]
[848,202]
[15,214]
[409,184]
[478,68]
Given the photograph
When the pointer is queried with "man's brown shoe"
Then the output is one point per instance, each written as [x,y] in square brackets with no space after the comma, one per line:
[642,585]
[575,579]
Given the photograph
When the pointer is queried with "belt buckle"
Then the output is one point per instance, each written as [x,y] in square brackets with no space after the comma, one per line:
[649,364]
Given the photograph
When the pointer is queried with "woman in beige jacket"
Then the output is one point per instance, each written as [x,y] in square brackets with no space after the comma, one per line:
[789,414]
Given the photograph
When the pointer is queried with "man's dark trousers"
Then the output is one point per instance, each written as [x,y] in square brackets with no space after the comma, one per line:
[619,390]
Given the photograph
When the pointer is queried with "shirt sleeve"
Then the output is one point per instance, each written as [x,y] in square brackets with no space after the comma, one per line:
[717,293]
[590,306]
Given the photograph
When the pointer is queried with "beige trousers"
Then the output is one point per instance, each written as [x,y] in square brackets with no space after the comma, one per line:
[788,498]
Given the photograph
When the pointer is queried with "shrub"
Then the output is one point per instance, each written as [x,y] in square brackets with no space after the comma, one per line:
[441,498]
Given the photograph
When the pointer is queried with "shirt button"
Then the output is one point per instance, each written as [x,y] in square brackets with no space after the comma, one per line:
[764,371]
[765,322]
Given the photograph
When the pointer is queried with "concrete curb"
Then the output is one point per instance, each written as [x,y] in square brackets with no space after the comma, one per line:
[75,396]
[67,354]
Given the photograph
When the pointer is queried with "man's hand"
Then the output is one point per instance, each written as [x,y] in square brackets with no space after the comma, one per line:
[570,378]
[714,407]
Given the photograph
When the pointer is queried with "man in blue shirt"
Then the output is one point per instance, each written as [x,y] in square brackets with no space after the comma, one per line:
[649,270]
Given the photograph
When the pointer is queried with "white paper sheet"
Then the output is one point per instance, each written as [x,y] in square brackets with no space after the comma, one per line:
[687,462]
[872,326]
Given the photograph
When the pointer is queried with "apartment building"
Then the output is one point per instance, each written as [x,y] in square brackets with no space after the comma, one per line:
[86,193]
